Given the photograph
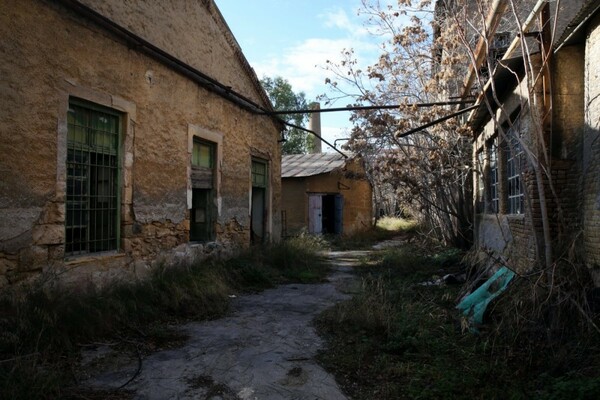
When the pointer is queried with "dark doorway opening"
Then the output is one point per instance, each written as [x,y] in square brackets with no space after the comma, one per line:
[332,213]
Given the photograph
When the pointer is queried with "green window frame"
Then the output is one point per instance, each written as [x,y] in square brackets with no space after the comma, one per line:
[259,174]
[92,222]
[203,154]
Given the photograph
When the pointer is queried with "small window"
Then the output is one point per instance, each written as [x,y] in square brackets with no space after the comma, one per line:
[203,154]
[92,201]
[259,174]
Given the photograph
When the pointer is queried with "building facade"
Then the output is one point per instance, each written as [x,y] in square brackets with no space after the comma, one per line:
[535,152]
[325,193]
[131,136]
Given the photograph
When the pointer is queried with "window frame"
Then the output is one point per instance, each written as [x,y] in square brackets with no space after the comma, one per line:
[494,175]
[205,192]
[515,195]
[265,175]
[92,151]
[211,146]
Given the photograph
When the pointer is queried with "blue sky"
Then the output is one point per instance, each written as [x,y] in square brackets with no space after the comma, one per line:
[295,38]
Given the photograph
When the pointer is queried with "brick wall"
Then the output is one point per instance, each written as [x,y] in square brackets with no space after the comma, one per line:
[519,238]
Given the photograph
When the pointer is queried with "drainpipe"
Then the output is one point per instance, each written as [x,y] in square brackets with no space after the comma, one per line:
[314,124]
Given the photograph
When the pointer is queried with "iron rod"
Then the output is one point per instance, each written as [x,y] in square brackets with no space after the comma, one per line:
[360,108]
[437,121]
[314,133]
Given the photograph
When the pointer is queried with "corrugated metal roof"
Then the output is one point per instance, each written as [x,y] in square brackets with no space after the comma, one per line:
[303,165]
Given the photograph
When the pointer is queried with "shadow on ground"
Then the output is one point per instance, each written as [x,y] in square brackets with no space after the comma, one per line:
[265,349]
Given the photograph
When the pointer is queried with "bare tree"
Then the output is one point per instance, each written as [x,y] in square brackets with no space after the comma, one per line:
[430,170]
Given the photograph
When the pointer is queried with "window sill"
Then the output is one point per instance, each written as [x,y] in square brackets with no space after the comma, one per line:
[88,258]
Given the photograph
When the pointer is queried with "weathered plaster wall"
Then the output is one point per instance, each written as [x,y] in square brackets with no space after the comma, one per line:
[591,151]
[294,201]
[567,134]
[49,54]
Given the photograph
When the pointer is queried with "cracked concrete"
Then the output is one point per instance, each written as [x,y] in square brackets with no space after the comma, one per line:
[263,350]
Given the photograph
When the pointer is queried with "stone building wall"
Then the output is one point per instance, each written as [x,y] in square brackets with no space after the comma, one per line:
[50,55]
[294,203]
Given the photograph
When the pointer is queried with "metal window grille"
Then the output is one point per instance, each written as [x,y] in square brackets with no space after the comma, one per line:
[92,211]
[513,172]
[494,192]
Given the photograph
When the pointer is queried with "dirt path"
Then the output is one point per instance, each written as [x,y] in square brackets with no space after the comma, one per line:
[263,350]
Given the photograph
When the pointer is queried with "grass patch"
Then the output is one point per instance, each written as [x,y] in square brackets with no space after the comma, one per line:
[397,224]
[385,229]
[42,330]
[397,339]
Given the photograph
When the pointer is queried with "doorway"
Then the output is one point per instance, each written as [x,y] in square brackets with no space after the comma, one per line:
[325,213]
[258,210]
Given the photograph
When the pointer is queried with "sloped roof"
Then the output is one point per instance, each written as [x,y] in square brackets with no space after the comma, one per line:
[303,165]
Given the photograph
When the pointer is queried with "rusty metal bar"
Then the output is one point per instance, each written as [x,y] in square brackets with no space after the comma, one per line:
[365,108]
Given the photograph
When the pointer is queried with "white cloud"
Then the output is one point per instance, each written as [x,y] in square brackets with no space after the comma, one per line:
[338,18]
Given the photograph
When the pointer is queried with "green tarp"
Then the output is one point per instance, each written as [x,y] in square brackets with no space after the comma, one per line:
[474,305]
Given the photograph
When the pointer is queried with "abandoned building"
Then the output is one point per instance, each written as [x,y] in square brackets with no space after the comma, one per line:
[131,136]
[537,155]
[325,193]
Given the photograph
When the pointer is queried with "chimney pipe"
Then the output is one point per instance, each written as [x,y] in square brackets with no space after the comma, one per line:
[314,124]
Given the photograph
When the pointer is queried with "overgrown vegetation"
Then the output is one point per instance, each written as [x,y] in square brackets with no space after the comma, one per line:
[386,228]
[42,330]
[402,339]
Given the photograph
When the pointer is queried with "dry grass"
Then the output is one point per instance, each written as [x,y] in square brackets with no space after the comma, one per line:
[397,224]
[397,339]
[42,330]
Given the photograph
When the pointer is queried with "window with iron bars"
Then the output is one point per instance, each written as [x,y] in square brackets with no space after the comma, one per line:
[493,182]
[93,196]
[480,171]
[514,157]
